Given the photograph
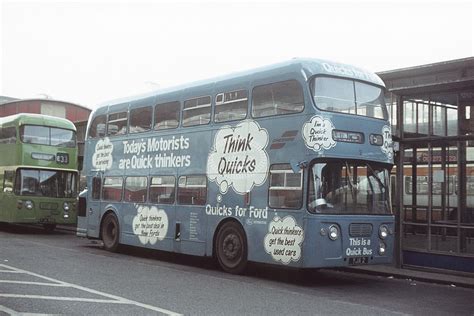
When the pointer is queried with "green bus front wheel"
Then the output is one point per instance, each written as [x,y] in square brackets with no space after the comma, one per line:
[49,227]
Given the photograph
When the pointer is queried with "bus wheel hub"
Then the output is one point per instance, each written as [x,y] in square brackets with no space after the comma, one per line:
[231,246]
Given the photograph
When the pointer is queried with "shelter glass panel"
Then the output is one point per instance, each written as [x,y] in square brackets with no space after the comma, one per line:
[415,237]
[444,239]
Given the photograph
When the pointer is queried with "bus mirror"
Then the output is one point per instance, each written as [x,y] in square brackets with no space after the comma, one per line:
[396,146]
[296,166]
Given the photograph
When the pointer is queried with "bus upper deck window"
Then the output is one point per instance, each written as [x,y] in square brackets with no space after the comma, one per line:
[167,115]
[35,134]
[231,106]
[63,137]
[349,96]
[97,128]
[117,123]
[140,119]
[7,135]
[197,111]
[370,100]
[285,97]
[334,94]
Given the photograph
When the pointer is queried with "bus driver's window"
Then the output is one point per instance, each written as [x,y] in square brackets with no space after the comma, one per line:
[8,181]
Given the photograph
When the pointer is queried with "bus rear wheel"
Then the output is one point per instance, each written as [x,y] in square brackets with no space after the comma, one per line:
[110,232]
[231,248]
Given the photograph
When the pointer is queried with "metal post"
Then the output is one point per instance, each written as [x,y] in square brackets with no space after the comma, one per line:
[399,163]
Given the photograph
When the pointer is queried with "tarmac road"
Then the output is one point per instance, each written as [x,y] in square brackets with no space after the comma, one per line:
[59,273]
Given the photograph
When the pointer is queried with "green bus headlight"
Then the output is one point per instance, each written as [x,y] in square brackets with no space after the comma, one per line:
[29,205]
[66,206]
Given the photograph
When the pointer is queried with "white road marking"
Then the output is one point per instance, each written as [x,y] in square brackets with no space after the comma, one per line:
[8,311]
[113,298]
[63,298]
[32,283]
[9,271]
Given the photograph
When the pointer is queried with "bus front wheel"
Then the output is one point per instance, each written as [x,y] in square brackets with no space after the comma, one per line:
[110,232]
[231,248]
[49,227]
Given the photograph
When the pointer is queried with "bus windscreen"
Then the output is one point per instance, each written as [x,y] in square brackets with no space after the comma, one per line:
[348,187]
[46,183]
[43,135]
[349,96]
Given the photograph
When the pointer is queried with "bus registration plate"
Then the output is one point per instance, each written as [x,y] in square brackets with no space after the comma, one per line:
[358,260]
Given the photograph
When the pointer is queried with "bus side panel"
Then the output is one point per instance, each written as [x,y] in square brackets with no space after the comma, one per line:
[191,220]
[277,234]
[280,241]
[148,225]
[7,207]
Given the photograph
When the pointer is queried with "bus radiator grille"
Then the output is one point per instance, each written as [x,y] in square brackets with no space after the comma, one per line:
[360,230]
[48,206]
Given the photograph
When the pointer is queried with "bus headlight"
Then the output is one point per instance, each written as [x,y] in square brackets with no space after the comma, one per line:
[383,231]
[382,248]
[29,205]
[333,232]
[66,206]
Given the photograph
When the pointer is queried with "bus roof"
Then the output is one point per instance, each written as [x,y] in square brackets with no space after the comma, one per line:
[37,119]
[306,66]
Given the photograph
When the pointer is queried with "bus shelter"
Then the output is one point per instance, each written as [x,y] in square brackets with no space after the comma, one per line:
[432,113]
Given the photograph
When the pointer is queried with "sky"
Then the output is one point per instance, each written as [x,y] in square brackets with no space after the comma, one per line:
[88,52]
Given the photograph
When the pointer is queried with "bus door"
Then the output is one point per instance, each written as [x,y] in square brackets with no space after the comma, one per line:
[190,226]
[7,198]
[94,205]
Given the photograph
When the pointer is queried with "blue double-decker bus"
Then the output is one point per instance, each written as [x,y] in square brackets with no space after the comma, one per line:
[287,164]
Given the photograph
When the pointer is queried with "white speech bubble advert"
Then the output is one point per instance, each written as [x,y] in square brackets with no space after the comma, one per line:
[387,146]
[283,240]
[238,158]
[317,133]
[150,224]
[102,157]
